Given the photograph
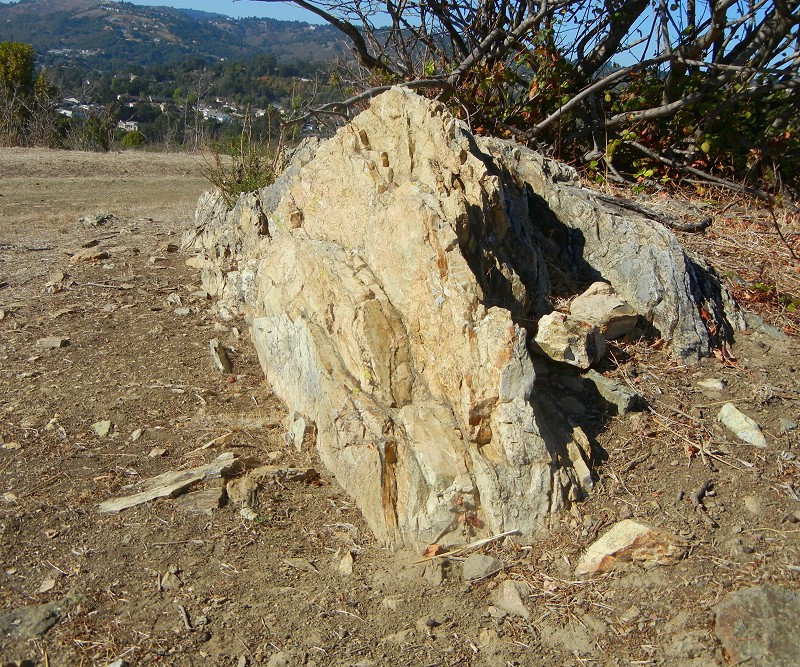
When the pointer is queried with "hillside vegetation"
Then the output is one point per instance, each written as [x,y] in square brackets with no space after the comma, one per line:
[105,35]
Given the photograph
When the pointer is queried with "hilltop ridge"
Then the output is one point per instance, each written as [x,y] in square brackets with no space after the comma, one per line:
[102,33]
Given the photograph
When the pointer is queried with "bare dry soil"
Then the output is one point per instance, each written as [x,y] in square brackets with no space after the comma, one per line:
[157,585]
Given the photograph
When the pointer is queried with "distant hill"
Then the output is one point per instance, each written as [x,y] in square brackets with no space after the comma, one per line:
[103,34]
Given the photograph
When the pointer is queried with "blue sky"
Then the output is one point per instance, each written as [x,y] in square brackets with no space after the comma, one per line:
[238,9]
[274,10]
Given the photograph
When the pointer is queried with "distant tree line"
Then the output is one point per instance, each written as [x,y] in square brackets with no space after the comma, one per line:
[257,81]
[166,102]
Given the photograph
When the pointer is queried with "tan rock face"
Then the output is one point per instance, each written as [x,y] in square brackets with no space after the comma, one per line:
[388,278]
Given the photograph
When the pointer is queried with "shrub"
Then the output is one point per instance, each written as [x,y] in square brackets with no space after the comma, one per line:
[133,139]
[244,166]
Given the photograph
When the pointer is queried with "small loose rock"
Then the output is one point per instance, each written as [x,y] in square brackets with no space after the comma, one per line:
[509,598]
[52,342]
[479,566]
[742,426]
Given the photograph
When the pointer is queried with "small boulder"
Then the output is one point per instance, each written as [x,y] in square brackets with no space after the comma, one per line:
[569,340]
[599,305]
[32,621]
[627,541]
[759,626]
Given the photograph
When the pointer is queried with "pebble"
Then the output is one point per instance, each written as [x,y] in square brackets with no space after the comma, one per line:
[712,384]
[52,342]
[345,566]
[426,624]
[182,312]
[391,602]
[786,425]
[742,426]
[400,637]
[496,612]
[630,615]
[174,299]
[434,572]
[487,636]
[479,566]
[753,504]
[508,597]
[170,581]
[102,427]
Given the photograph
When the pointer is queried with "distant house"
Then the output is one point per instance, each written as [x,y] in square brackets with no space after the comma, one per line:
[73,112]
[128,125]
[219,116]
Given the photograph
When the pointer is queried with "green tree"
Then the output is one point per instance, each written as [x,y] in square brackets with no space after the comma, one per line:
[133,139]
[27,99]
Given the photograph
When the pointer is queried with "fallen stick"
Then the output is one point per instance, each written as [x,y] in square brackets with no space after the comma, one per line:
[697,501]
[666,219]
[184,617]
[107,286]
[471,545]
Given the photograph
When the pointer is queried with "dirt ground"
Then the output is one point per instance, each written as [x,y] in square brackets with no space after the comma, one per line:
[156,585]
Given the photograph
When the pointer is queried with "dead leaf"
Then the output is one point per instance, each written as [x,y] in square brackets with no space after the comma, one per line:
[433,550]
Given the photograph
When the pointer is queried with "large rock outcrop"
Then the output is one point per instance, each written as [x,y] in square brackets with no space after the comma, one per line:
[392,278]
